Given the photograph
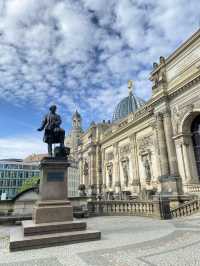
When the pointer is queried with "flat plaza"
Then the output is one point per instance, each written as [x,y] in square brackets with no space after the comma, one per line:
[126,241]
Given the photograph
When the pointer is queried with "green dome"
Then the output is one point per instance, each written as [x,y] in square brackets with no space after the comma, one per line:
[128,105]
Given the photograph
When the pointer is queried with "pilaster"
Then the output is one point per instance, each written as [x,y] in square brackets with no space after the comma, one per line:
[187,163]
[173,166]
[134,159]
[116,165]
[164,164]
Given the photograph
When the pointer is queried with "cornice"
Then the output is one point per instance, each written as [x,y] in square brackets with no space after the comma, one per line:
[176,91]
[127,127]
[178,51]
[165,96]
[183,46]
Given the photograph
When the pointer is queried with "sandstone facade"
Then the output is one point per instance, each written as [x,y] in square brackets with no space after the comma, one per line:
[156,141]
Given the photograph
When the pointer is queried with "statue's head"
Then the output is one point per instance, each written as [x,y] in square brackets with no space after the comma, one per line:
[53,108]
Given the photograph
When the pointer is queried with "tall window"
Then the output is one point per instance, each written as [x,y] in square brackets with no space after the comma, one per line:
[195,129]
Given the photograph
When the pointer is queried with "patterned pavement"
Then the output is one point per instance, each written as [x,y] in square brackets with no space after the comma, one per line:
[126,241]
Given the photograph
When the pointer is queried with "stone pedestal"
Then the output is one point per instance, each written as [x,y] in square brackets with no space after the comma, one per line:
[170,186]
[52,222]
[161,207]
[52,211]
[53,205]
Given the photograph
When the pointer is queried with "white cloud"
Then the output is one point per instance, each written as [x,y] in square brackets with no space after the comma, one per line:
[20,147]
[81,53]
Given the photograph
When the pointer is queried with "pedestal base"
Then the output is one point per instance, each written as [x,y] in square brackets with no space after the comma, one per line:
[30,228]
[52,211]
[20,242]
[52,222]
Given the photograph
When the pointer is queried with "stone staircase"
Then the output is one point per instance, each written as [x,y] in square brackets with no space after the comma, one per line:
[186,209]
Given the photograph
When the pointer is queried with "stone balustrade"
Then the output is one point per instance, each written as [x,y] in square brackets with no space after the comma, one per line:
[186,209]
[192,187]
[137,208]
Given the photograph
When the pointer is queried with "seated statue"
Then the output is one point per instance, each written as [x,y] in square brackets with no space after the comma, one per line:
[53,133]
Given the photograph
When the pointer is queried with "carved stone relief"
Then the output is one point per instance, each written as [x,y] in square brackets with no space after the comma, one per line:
[125,167]
[86,168]
[109,156]
[177,116]
[147,167]
[145,143]
[124,150]
[110,174]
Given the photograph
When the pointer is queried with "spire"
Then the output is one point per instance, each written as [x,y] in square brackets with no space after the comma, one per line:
[76,114]
[76,120]
[130,86]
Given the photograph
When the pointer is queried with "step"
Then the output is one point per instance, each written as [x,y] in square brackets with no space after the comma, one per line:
[30,228]
[20,242]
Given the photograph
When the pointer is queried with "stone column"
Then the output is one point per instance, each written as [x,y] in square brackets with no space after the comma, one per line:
[80,162]
[193,166]
[186,161]
[134,160]
[164,164]
[181,163]
[98,168]
[92,155]
[132,155]
[86,177]
[189,159]
[103,167]
[173,165]
[116,166]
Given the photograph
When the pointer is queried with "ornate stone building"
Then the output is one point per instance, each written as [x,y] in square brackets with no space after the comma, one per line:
[73,139]
[152,146]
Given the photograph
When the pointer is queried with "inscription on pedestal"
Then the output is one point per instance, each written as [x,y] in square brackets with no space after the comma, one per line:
[55,176]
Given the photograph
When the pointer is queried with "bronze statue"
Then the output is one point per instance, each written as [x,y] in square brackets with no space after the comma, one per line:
[53,133]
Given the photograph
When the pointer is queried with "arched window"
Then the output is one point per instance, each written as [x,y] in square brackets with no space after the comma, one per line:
[195,130]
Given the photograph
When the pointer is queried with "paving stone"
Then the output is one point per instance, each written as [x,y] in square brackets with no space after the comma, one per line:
[126,241]
[39,262]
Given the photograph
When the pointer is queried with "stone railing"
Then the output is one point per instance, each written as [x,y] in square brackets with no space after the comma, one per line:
[156,208]
[186,209]
[192,187]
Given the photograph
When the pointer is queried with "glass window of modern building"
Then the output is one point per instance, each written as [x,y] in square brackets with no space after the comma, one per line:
[13,173]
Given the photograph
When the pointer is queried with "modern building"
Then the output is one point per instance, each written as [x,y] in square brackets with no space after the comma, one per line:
[154,146]
[13,173]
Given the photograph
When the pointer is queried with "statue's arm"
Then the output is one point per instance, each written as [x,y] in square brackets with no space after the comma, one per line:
[44,122]
[58,121]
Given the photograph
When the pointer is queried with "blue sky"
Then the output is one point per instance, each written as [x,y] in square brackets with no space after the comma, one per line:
[79,54]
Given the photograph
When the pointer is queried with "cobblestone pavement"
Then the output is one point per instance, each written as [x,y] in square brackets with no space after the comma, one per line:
[126,241]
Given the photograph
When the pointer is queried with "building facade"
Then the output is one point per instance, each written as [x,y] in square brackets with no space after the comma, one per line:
[73,179]
[12,175]
[72,140]
[150,147]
